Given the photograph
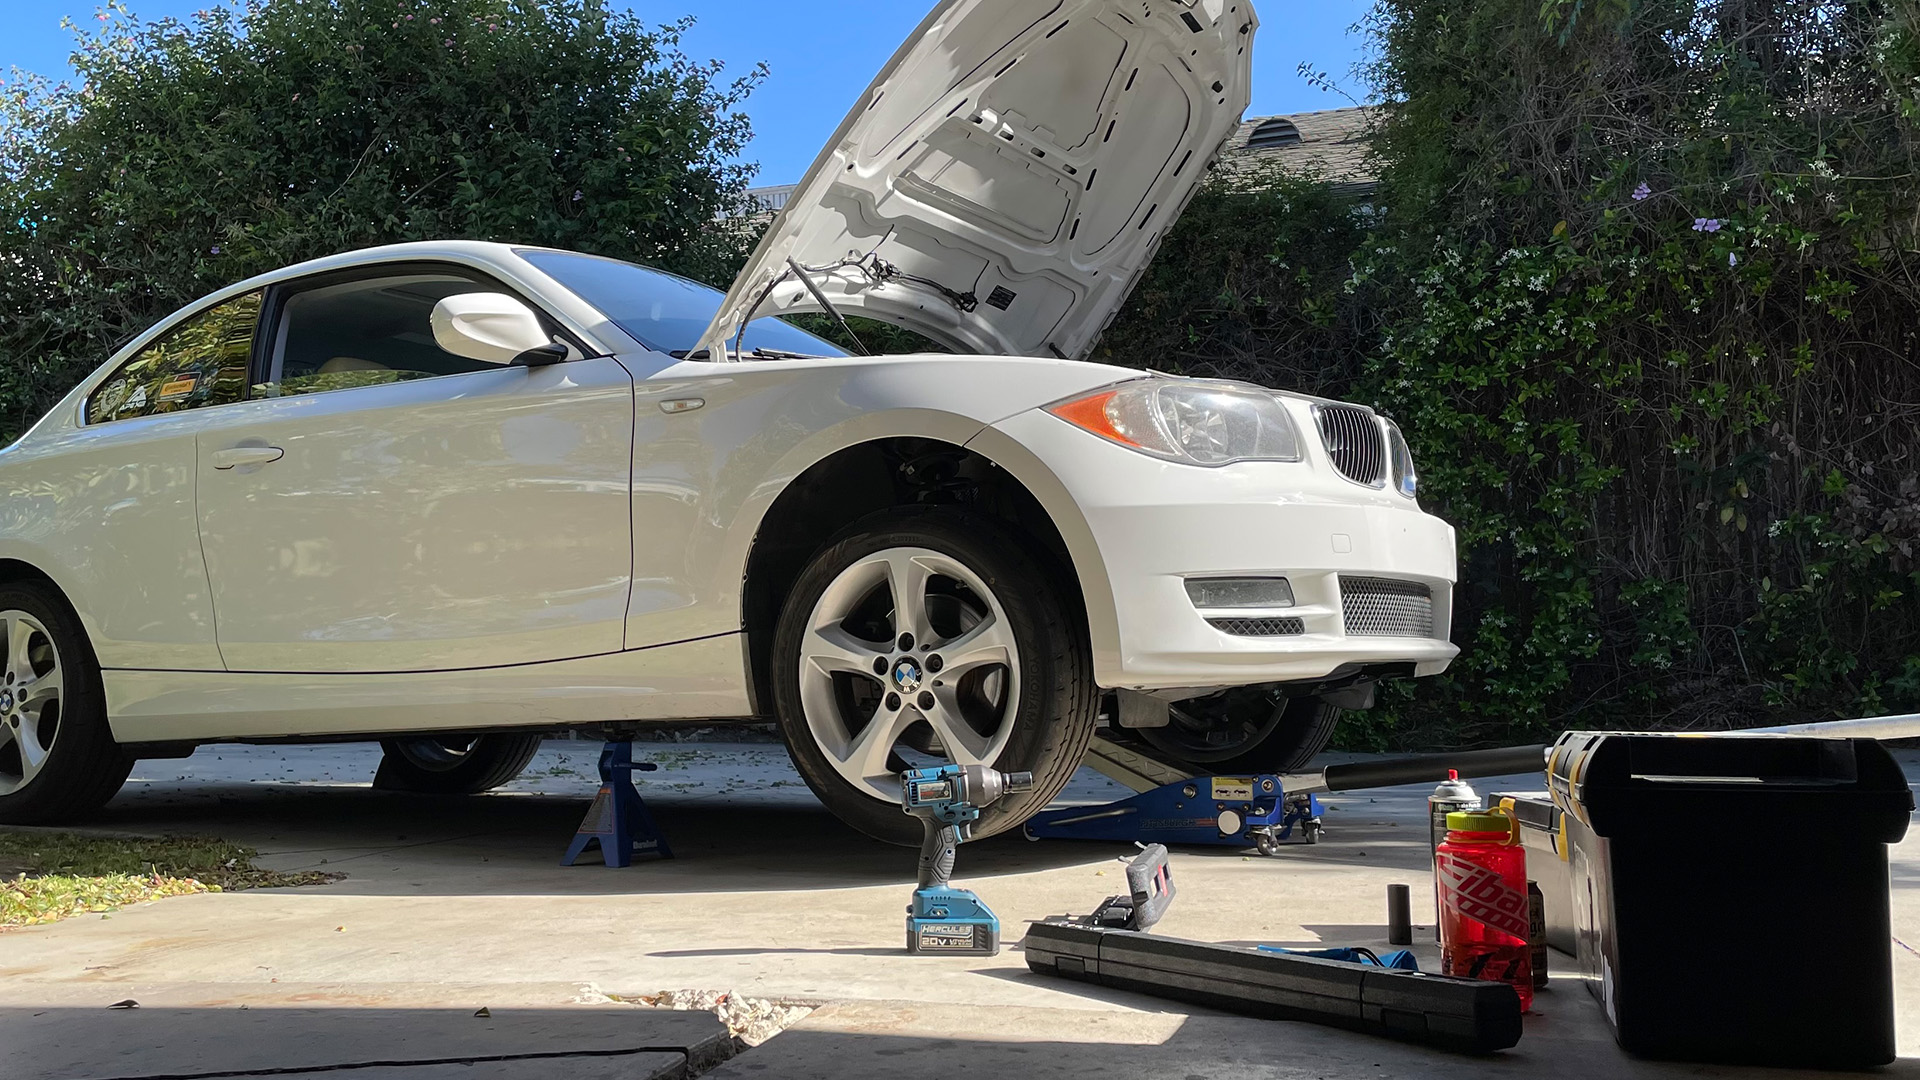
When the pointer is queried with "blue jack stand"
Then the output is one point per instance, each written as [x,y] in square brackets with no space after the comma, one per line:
[1232,811]
[618,820]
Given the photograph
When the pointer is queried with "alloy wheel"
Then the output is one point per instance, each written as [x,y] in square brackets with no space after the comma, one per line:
[907,649]
[32,683]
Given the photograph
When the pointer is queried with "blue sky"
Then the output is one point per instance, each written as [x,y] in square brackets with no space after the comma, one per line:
[802,101]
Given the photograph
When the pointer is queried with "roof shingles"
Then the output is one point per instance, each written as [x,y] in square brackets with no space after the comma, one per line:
[1332,146]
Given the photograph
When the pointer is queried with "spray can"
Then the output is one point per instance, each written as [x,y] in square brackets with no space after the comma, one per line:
[1453,796]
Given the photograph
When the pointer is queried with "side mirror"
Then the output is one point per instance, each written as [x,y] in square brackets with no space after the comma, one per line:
[490,327]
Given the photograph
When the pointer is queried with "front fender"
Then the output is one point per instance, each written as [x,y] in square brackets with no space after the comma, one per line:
[1096,587]
[706,476]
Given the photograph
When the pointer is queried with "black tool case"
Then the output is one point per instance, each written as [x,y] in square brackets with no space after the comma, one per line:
[1454,1014]
[1730,894]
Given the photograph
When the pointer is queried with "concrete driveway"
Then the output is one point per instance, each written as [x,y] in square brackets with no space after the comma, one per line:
[451,906]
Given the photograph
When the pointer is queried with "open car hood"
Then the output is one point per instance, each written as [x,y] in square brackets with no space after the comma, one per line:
[1009,173]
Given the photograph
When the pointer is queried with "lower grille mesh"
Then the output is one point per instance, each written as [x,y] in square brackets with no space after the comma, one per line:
[1259,627]
[1385,607]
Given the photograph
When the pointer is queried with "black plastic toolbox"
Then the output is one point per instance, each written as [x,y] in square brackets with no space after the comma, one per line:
[1730,894]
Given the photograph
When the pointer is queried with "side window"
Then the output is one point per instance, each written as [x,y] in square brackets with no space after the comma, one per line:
[201,362]
[364,333]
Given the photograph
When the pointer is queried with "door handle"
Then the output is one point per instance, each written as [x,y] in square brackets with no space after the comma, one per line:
[246,455]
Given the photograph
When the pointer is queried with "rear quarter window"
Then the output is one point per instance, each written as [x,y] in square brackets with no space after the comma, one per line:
[201,362]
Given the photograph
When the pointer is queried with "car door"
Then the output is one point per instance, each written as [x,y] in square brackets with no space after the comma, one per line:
[114,495]
[382,505]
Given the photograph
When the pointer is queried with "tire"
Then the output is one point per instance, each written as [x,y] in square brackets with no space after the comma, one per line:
[1246,730]
[62,710]
[1023,699]
[453,764]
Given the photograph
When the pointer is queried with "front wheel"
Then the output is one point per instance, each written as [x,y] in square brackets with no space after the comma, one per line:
[929,634]
[453,764]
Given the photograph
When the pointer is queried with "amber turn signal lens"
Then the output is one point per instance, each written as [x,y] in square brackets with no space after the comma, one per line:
[1091,413]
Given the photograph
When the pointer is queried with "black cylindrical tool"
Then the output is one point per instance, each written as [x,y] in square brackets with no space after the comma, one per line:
[1399,915]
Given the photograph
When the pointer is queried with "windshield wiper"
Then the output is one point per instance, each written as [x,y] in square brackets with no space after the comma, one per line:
[760,351]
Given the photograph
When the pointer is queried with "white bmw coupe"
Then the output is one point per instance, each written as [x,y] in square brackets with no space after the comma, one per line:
[453,496]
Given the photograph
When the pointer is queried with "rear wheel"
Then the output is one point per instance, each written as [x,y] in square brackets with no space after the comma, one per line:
[923,636]
[58,759]
[1251,729]
[453,764]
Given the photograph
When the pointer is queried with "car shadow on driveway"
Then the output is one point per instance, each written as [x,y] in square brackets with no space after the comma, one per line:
[736,815]
[390,843]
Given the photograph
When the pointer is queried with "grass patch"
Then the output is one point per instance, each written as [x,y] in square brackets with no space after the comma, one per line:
[48,876]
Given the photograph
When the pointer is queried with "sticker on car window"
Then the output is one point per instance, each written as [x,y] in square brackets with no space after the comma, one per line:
[177,388]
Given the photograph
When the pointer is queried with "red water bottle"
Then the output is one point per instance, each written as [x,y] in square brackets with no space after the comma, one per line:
[1482,872]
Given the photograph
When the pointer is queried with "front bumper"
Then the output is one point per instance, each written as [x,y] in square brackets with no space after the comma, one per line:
[1157,523]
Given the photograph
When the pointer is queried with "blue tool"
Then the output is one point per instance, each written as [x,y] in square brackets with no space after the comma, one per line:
[618,820]
[948,800]
[1235,811]
[1399,960]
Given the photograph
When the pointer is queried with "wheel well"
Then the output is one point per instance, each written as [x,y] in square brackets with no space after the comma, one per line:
[859,480]
[12,570]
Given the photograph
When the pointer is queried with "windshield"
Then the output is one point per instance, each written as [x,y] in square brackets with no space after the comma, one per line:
[663,311]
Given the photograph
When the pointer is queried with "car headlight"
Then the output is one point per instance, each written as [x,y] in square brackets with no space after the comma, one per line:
[1190,420]
[1405,476]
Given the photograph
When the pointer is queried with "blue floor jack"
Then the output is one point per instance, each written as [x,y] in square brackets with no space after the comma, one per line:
[1233,811]
[618,820]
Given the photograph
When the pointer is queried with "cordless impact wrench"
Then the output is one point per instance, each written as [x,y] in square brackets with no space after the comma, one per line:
[948,799]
